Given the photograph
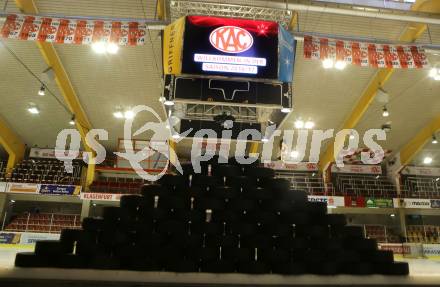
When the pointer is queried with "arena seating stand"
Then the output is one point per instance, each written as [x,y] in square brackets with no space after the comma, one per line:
[117,185]
[423,234]
[420,186]
[3,170]
[228,219]
[311,182]
[44,222]
[45,171]
[377,232]
[363,185]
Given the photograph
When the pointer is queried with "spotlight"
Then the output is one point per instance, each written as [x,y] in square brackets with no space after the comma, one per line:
[99,47]
[168,103]
[286,110]
[112,48]
[340,65]
[118,115]
[294,154]
[386,127]
[328,63]
[435,74]
[12,201]
[42,91]
[34,110]
[224,120]
[392,215]
[434,139]
[382,96]
[299,124]
[437,179]
[128,114]
[72,121]
[309,125]
[427,160]
[385,112]
[377,176]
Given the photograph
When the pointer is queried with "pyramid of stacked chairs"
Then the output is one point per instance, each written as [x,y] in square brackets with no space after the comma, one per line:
[230,218]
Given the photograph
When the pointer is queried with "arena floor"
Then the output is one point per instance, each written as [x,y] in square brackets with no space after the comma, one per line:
[422,272]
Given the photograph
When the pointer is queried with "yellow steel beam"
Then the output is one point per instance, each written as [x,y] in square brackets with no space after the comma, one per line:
[52,59]
[254,147]
[412,32]
[172,146]
[428,6]
[90,174]
[161,10]
[356,114]
[408,152]
[293,21]
[12,143]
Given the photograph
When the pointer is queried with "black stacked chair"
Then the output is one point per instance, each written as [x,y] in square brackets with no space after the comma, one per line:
[229,218]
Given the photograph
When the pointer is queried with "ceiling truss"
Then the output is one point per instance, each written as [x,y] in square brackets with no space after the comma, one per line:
[180,8]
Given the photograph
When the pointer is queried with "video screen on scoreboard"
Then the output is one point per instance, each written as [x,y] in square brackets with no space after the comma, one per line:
[230,47]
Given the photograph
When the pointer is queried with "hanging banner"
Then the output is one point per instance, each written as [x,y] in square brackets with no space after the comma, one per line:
[101,196]
[26,238]
[301,166]
[366,54]
[9,238]
[355,156]
[358,169]
[332,201]
[72,31]
[379,202]
[397,248]
[435,203]
[431,250]
[421,170]
[412,203]
[50,153]
[172,47]
[22,188]
[287,46]
[58,189]
[31,238]
[354,201]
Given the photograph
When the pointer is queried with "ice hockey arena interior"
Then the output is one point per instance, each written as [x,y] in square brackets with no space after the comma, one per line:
[219,143]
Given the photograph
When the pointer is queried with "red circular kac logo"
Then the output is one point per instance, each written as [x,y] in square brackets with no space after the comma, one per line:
[231,39]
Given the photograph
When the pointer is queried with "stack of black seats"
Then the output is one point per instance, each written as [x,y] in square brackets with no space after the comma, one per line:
[229,218]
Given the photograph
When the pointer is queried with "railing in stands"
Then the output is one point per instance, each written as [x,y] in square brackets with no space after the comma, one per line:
[364,185]
[45,172]
[420,187]
[423,234]
[310,182]
[44,222]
